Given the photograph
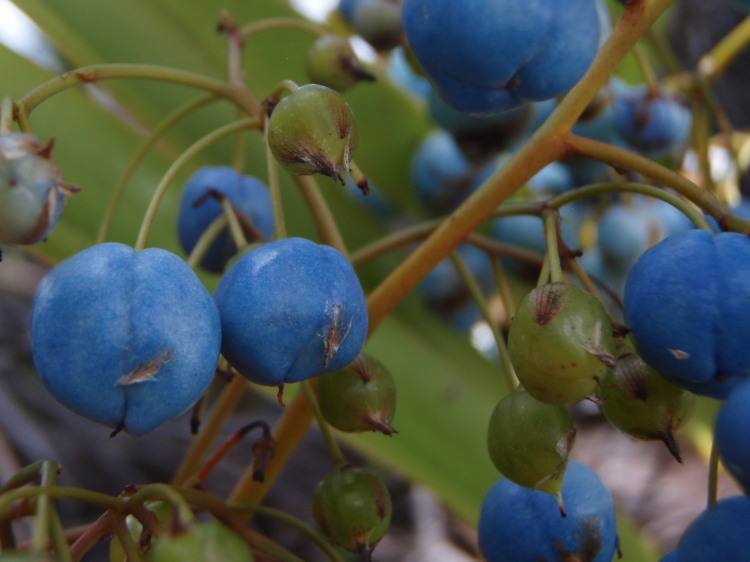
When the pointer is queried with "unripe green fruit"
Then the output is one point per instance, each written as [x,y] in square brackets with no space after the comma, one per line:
[332,62]
[206,541]
[361,397]
[529,441]
[638,401]
[312,131]
[352,506]
[560,343]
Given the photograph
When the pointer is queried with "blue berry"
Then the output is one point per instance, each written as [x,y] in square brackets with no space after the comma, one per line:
[719,533]
[290,310]
[519,524]
[488,56]
[128,339]
[732,434]
[199,207]
[685,301]
[654,123]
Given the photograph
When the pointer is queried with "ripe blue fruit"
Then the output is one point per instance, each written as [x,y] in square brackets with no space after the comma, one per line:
[654,123]
[32,193]
[488,56]
[441,176]
[198,209]
[732,434]
[686,302]
[518,524]
[290,310]
[718,533]
[128,339]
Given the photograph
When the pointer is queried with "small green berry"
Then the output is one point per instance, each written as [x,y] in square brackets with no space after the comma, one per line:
[361,397]
[352,506]
[332,62]
[312,131]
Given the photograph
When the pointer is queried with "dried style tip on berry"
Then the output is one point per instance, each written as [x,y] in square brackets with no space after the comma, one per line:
[361,397]
[352,507]
[641,403]
[32,193]
[332,62]
[312,131]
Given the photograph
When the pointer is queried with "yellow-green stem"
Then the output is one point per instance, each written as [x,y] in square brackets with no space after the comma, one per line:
[274,187]
[132,553]
[287,433]
[88,74]
[713,474]
[45,510]
[177,165]
[143,150]
[281,23]
[553,251]
[295,523]
[206,239]
[235,228]
[715,62]
[328,230]
[6,116]
[334,451]
[210,429]
[479,299]
[631,161]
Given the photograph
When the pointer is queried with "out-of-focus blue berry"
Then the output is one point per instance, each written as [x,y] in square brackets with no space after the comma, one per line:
[489,56]
[248,195]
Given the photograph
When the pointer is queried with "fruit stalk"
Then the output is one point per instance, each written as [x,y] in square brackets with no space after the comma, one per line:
[545,146]
[177,165]
[95,73]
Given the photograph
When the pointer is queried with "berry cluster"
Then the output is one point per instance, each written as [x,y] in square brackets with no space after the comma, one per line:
[547,201]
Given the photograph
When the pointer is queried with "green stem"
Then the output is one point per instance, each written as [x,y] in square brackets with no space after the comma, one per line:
[295,523]
[274,187]
[316,203]
[281,23]
[235,228]
[8,498]
[544,147]
[334,451]
[177,165]
[713,474]
[594,189]
[162,492]
[6,116]
[96,73]
[631,161]
[715,62]
[227,400]
[553,250]
[26,475]
[484,309]
[143,150]
[59,540]
[206,239]
[131,550]
[44,510]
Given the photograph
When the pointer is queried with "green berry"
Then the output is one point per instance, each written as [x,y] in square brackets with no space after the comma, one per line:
[352,506]
[529,441]
[332,62]
[205,541]
[638,401]
[312,131]
[560,343]
[361,397]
